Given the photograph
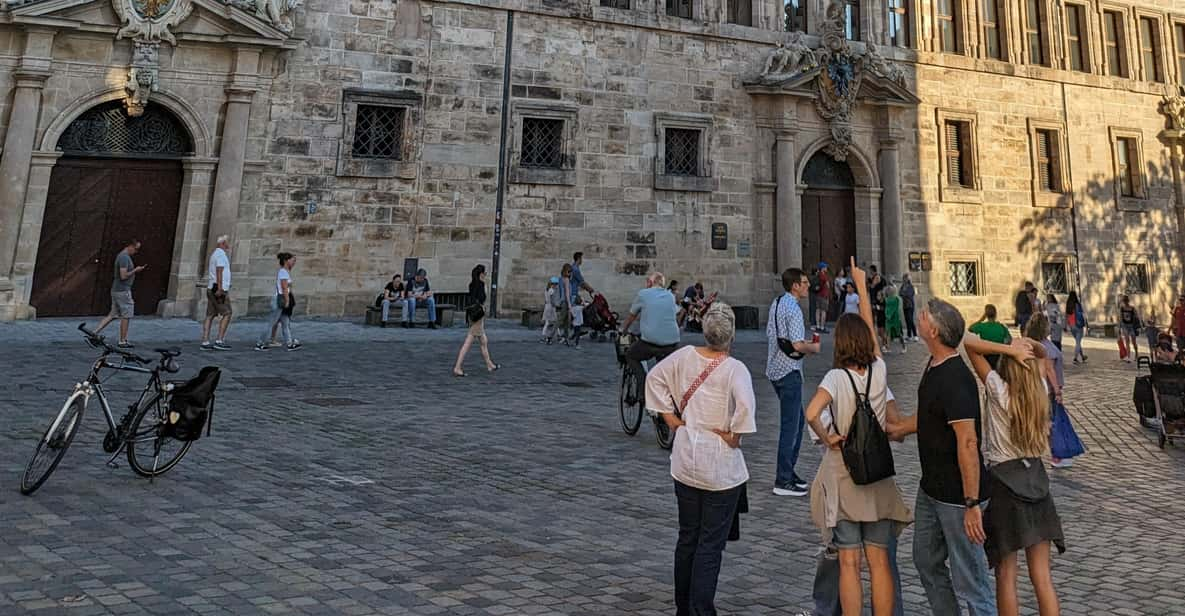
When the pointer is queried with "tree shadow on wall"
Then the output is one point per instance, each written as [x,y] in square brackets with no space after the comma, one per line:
[1112,230]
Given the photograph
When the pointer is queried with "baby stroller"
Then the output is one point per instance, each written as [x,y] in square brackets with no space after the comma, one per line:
[599,320]
[1168,397]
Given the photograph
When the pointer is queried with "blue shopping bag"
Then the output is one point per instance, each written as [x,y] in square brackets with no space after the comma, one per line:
[1063,441]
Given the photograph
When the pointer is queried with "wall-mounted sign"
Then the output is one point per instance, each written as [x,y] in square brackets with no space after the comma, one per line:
[927,265]
[919,262]
[719,236]
[744,249]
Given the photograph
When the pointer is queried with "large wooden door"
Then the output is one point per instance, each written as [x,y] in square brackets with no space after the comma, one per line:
[94,207]
[828,227]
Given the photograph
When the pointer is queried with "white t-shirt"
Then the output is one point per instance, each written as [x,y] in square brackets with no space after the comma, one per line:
[997,439]
[725,401]
[283,274]
[219,259]
[825,416]
[843,396]
[851,303]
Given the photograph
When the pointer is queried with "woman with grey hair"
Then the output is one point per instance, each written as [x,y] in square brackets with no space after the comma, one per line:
[709,395]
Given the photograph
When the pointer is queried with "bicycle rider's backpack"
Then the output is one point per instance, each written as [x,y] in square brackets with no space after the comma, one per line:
[866,451]
[191,406]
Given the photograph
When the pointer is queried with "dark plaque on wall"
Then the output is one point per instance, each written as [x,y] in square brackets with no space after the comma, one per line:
[719,236]
[410,266]
[915,261]
[926,264]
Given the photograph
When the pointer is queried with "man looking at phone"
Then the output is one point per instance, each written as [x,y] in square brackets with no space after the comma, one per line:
[784,369]
[122,306]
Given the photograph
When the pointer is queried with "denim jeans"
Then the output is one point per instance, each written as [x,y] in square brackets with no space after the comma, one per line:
[387,307]
[277,316]
[789,390]
[1078,332]
[939,535]
[911,325]
[826,592]
[409,309]
[704,520]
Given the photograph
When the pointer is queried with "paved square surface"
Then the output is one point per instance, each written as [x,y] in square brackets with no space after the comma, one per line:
[356,476]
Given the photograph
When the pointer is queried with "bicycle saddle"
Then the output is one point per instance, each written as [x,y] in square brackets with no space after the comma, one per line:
[169,352]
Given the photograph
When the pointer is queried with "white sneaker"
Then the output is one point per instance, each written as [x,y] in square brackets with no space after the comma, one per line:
[1063,463]
[274,344]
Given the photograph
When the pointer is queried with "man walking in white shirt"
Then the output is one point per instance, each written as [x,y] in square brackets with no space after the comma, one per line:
[218,296]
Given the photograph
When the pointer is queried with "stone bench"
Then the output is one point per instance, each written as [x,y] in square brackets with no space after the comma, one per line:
[445,314]
[532,318]
[1102,330]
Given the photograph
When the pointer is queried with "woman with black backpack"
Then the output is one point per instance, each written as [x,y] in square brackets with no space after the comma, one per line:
[855,501]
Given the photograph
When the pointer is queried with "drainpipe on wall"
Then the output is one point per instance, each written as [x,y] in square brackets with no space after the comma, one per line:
[502,155]
[1073,202]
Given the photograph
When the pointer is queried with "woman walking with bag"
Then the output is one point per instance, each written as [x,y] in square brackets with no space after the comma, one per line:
[1076,320]
[282,305]
[475,316]
[1020,514]
[716,407]
[1064,444]
[861,516]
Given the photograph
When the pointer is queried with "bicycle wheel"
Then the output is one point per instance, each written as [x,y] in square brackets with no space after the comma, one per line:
[151,452]
[663,433]
[631,414]
[53,445]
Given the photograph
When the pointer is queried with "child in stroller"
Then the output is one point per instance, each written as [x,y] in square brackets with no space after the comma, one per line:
[599,319]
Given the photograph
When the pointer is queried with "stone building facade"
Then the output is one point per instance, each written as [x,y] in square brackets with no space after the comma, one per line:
[978,143]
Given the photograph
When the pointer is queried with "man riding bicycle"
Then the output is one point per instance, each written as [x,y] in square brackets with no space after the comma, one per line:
[655,309]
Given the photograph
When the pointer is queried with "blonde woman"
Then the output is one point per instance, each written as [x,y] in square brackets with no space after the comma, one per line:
[1020,514]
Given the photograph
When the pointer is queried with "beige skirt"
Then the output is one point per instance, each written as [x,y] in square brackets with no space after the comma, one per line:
[478,329]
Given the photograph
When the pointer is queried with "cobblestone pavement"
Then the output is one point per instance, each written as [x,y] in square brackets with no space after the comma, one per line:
[357,477]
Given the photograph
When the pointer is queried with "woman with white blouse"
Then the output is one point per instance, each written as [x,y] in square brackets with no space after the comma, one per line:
[706,397]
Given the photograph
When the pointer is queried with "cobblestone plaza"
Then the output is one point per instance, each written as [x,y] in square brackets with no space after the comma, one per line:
[356,476]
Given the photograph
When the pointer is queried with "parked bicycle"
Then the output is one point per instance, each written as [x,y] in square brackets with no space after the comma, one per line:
[156,432]
[631,404]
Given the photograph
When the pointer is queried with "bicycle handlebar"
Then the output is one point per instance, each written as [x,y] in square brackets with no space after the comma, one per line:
[100,341]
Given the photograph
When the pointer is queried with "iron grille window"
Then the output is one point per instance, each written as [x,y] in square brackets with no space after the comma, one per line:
[1076,34]
[1179,33]
[1113,41]
[107,130]
[948,26]
[851,17]
[1034,35]
[964,278]
[617,4]
[795,15]
[1048,161]
[1127,166]
[679,8]
[1135,278]
[378,132]
[899,30]
[991,29]
[740,12]
[957,136]
[1053,277]
[682,151]
[542,143]
[1150,49]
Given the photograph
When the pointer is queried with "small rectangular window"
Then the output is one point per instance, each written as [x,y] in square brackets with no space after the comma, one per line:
[682,151]
[1150,49]
[991,29]
[740,12]
[794,15]
[1048,161]
[1053,277]
[542,143]
[1179,33]
[1128,167]
[964,277]
[851,19]
[617,4]
[378,132]
[679,8]
[1135,278]
[1034,34]
[899,30]
[1113,41]
[1076,35]
[948,26]
[958,155]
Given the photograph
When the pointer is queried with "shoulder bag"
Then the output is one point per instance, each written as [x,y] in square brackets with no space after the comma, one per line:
[784,344]
[1025,478]
[866,451]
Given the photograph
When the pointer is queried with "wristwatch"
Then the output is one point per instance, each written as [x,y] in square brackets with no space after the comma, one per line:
[971,502]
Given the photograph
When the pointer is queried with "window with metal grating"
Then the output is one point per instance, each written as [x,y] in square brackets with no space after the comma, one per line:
[682,151]
[542,143]
[1053,277]
[1135,278]
[378,132]
[964,277]
[107,130]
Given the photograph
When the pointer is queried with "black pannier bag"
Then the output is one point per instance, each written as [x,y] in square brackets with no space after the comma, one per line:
[191,406]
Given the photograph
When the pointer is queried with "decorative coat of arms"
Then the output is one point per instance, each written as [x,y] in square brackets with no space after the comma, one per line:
[839,70]
[150,20]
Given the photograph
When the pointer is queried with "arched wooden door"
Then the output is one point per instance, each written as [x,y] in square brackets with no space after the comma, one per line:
[119,179]
[828,212]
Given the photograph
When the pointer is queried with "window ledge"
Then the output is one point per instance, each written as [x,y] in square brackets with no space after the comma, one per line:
[688,183]
[534,175]
[376,168]
[1047,199]
[961,194]
[1133,204]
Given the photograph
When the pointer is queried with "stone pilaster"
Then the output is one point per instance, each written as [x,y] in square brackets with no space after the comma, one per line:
[232,156]
[789,204]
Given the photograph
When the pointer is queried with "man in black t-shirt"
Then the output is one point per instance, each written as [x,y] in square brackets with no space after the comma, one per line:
[949,513]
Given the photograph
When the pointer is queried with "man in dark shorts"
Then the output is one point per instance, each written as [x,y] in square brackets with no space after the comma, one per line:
[948,522]
[122,305]
[218,296]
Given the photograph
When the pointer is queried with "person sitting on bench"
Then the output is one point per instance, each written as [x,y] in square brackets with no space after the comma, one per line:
[418,290]
[393,293]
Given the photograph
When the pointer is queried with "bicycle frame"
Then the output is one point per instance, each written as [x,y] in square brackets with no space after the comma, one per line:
[152,393]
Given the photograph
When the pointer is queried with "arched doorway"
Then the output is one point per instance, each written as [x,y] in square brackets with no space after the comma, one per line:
[828,212]
[119,178]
